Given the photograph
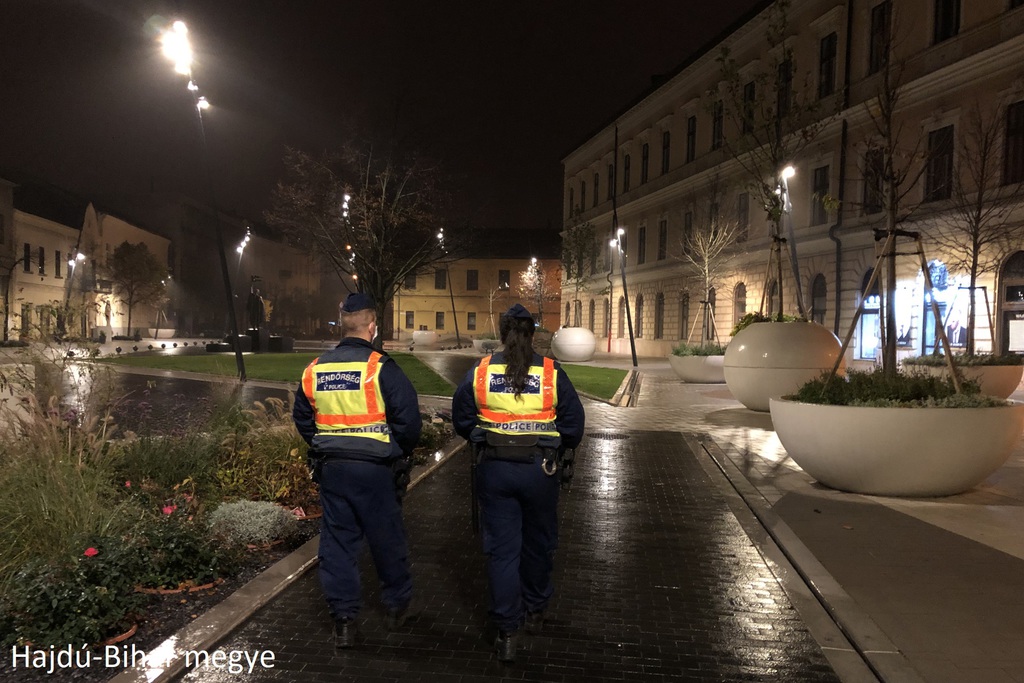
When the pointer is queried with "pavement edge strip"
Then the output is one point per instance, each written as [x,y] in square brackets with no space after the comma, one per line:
[218,622]
[812,587]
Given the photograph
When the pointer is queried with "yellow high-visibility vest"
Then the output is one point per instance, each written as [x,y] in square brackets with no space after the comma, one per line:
[346,398]
[498,408]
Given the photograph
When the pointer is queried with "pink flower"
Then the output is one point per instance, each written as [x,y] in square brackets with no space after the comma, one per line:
[91,552]
[168,509]
[128,484]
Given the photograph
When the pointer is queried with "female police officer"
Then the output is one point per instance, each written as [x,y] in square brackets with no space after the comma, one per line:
[520,412]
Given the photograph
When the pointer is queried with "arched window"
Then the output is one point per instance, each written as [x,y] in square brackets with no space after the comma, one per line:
[622,318]
[659,316]
[739,302]
[607,318]
[709,325]
[638,324]
[819,299]
[590,312]
[773,296]
[684,314]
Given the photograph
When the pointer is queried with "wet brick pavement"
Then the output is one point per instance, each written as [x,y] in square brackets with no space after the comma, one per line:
[655,581]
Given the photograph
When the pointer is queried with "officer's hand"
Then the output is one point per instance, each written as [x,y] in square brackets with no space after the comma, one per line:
[401,472]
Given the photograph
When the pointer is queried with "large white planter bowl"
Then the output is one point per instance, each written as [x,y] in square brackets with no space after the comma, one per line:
[768,360]
[897,451]
[486,345]
[994,380]
[698,369]
[424,339]
[573,344]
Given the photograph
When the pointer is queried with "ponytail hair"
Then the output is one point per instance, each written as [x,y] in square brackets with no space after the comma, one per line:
[517,336]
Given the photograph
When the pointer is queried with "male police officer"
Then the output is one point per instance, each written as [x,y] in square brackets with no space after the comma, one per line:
[360,415]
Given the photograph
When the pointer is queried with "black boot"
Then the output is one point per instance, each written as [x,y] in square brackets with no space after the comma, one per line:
[505,646]
[344,633]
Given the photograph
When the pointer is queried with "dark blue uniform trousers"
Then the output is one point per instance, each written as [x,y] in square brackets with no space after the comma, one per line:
[359,498]
[518,515]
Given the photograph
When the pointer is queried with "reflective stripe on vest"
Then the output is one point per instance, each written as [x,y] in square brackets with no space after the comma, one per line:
[346,398]
[498,408]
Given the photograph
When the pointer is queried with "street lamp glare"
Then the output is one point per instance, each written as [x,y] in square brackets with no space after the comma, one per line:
[788,172]
[79,256]
[202,103]
[620,231]
[176,47]
[613,243]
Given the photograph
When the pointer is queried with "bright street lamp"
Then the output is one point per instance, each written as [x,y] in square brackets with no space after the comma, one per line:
[617,243]
[177,48]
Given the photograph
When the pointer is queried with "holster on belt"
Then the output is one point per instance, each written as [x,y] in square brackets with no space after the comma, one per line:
[315,461]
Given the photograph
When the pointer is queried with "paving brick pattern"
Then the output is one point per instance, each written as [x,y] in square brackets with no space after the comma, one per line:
[655,581]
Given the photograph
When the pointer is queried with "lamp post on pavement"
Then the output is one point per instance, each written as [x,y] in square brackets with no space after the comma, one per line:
[617,243]
[178,49]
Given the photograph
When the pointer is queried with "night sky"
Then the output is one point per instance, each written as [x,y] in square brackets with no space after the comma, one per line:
[499,92]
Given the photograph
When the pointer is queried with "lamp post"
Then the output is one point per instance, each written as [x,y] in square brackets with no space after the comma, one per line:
[451,293]
[178,49]
[787,216]
[72,262]
[617,243]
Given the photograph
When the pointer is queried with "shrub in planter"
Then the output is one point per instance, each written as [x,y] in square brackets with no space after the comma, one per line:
[756,317]
[709,349]
[176,550]
[967,360]
[437,431]
[77,602]
[251,522]
[876,389]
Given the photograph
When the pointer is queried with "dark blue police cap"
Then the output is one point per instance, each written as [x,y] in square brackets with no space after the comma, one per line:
[518,311]
[357,302]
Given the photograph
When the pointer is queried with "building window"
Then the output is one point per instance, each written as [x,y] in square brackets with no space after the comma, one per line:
[583,195]
[27,258]
[819,190]
[662,240]
[641,245]
[591,312]
[773,296]
[572,200]
[749,93]
[607,318]
[739,303]
[410,281]
[503,280]
[827,65]
[687,231]
[869,338]
[874,171]
[717,132]
[472,280]
[622,318]
[410,320]
[743,215]
[938,181]
[691,138]
[625,173]
[56,264]
[597,184]
[784,95]
[440,281]
[638,323]
[947,19]
[1013,166]
[878,50]
[666,143]
[819,299]
[611,181]
[659,316]
[42,260]
[439,320]
[684,314]
[471,321]
[645,159]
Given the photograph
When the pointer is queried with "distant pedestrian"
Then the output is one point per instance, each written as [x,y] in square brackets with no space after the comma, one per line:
[521,413]
[360,415]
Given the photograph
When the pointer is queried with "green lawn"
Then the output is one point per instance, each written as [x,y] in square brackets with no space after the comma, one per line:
[288,367]
[600,382]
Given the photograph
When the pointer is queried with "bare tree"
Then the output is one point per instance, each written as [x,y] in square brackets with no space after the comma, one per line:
[539,285]
[579,242]
[775,123]
[979,234]
[372,217]
[706,246]
[138,276]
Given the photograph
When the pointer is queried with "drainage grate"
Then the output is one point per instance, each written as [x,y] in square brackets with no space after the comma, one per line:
[612,436]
